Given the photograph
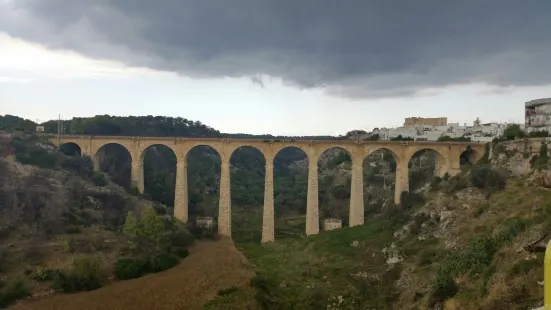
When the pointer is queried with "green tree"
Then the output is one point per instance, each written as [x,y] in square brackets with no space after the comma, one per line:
[148,234]
[513,131]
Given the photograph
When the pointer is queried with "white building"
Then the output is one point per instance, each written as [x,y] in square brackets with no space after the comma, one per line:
[479,132]
[537,115]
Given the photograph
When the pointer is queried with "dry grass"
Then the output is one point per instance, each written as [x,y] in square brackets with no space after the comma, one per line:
[210,268]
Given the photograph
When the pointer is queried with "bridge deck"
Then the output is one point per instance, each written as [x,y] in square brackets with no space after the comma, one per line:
[298,140]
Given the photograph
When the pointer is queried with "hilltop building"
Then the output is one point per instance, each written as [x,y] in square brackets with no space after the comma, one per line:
[537,115]
[422,121]
[478,132]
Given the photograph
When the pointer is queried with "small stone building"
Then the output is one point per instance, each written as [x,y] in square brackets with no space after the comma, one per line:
[204,222]
[332,224]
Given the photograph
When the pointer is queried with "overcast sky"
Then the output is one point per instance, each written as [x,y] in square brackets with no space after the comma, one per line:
[284,67]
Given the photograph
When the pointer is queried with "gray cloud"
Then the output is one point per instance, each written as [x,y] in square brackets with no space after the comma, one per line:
[360,49]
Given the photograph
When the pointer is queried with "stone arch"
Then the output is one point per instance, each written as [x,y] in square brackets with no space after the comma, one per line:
[247,175]
[71,149]
[291,164]
[335,185]
[425,163]
[469,156]
[116,160]
[388,153]
[379,178]
[203,166]
[158,164]
[149,147]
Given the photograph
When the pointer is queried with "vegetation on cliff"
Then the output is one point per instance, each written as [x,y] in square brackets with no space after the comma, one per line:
[61,224]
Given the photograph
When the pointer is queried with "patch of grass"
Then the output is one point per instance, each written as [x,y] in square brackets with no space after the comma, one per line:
[525,266]
[12,292]
[228,291]
[232,300]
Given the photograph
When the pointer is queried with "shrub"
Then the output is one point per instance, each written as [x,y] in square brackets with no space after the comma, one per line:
[82,166]
[435,182]
[443,288]
[525,266]
[43,275]
[99,179]
[12,292]
[181,252]
[83,277]
[134,190]
[486,178]
[181,237]
[425,257]
[131,268]
[164,261]
[148,234]
[227,291]
[409,200]
[263,292]
[541,160]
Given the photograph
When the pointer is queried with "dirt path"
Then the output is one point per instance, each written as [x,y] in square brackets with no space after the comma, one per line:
[211,266]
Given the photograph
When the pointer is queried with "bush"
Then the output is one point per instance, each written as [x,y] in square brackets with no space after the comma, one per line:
[83,277]
[131,268]
[409,200]
[181,252]
[148,234]
[164,261]
[99,179]
[12,292]
[443,288]
[435,182]
[489,179]
[134,190]
[43,275]
[263,292]
[229,290]
[82,166]
[181,237]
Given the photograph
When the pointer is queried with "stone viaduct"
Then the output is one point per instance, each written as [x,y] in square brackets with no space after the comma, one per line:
[448,156]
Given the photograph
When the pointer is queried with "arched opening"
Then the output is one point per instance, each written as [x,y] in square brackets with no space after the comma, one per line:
[423,166]
[379,173]
[203,183]
[70,149]
[159,173]
[334,185]
[116,161]
[247,193]
[290,192]
[468,157]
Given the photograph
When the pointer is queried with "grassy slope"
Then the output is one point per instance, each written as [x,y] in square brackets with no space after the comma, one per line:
[313,272]
[211,267]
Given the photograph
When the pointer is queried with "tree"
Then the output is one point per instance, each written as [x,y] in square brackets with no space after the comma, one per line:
[148,233]
[513,131]
[375,137]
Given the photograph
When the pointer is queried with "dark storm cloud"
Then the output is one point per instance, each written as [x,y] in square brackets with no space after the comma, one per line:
[357,48]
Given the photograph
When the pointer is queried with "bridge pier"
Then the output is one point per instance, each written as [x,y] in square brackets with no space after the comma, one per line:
[402,180]
[312,205]
[268,217]
[356,213]
[137,175]
[181,193]
[224,204]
